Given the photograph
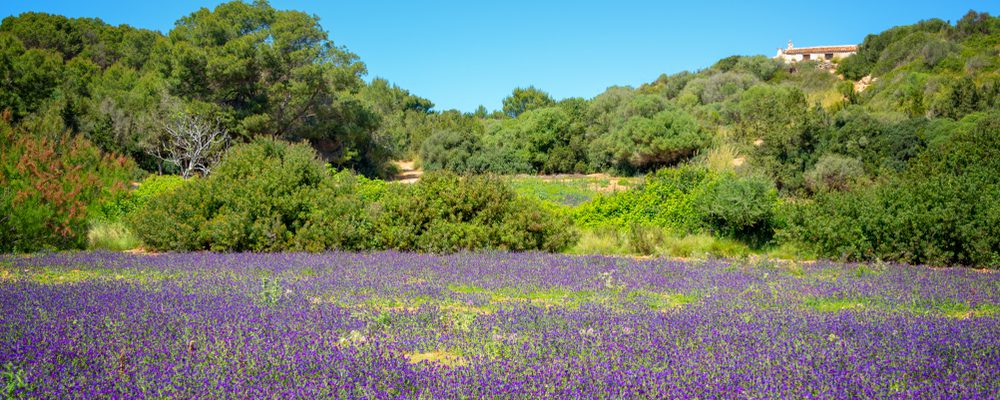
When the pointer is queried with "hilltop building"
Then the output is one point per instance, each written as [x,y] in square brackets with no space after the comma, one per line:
[792,54]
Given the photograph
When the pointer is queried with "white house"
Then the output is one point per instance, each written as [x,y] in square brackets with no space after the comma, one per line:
[818,53]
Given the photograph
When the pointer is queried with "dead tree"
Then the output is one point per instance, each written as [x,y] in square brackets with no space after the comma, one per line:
[192,143]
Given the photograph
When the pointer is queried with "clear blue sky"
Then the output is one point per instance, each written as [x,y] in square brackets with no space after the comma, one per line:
[460,54]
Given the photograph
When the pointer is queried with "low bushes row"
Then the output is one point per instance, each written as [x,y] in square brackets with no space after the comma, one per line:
[276,196]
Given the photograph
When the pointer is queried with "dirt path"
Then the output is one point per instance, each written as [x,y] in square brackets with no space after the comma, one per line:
[408,173]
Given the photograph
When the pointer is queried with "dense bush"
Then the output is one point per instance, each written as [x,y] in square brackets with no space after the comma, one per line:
[450,150]
[48,182]
[834,172]
[265,196]
[444,212]
[689,200]
[123,203]
[667,198]
[741,208]
[944,210]
[646,143]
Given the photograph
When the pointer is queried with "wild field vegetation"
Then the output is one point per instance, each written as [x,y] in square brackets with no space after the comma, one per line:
[388,325]
[748,155]
[249,162]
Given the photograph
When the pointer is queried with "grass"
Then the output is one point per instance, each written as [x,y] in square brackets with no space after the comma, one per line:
[606,241]
[652,241]
[723,158]
[833,305]
[828,98]
[609,295]
[948,309]
[662,301]
[569,191]
[61,276]
[113,236]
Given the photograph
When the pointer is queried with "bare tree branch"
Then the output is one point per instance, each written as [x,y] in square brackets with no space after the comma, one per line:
[192,143]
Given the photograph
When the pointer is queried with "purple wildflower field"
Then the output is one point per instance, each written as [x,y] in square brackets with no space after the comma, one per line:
[490,325]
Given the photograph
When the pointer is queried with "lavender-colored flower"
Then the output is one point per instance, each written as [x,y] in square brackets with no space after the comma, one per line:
[490,325]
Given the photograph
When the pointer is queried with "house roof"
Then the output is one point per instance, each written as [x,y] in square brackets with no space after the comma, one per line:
[822,49]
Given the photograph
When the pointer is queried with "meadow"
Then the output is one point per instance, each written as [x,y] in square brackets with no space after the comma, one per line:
[490,325]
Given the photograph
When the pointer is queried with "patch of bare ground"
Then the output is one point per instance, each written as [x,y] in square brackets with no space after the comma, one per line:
[408,172]
[142,251]
[436,357]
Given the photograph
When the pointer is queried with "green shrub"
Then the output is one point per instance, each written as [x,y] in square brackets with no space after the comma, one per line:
[740,208]
[264,196]
[122,204]
[275,196]
[444,212]
[687,200]
[834,172]
[666,199]
[174,220]
[645,143]
[944,210]
[451,151]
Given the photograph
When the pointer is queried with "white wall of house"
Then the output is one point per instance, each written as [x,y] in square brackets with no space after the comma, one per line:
[793,58]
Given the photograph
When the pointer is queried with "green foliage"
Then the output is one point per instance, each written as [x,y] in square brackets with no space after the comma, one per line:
[14,384]
[121,204]
[444,212]
[405,118]
[882,52]
[687,200]
[645,143]
[546,138]
[570,190]
[943,210]
[271,292]
[265,196]
[761,67]
[741,208]
[771,111]
[976,23]
[667,199]
[27,76]
[261,71]
[274,196]
[525,99]
[450,150]
[834,172]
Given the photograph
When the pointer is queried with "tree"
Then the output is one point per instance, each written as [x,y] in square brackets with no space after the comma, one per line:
[276,73]
[647,143]
[28,77]
[978,23]
[193,143]
[525,99]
